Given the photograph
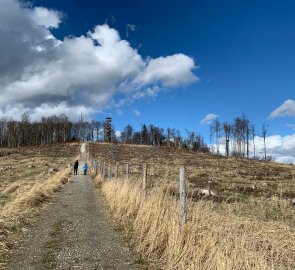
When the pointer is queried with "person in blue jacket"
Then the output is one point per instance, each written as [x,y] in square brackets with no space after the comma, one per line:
[85,168]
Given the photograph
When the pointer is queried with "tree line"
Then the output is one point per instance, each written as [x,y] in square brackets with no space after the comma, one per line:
[59,129]
[237,136]
[49,130]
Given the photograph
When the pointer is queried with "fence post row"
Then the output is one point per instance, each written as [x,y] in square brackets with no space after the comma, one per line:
[182,197]
[182,187]
[92,166]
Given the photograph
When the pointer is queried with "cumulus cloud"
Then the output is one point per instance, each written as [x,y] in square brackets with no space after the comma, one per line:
[45,17]
[286,109]
[42,74]
[209,118]
[169,71]
[281,148]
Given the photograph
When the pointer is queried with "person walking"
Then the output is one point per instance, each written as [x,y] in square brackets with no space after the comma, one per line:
[76,165]
[85,168]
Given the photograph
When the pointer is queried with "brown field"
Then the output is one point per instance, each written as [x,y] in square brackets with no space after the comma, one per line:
[228,177]
[247,225]
[28,177]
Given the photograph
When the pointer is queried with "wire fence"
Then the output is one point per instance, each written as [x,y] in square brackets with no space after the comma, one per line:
[108,171]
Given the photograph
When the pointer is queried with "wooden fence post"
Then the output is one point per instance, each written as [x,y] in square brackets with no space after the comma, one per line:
[103,170]
[109,171]
[100,168]
[96,165]
[144,178]
[182,197]
[127,171]
[117,170]
[93,166]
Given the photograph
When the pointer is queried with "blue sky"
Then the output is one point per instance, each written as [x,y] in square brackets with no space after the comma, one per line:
[242,52]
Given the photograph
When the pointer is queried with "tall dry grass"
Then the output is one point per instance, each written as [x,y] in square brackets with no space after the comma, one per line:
[217,240]
[15,214]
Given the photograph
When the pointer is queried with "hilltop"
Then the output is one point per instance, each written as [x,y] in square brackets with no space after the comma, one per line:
[226,176]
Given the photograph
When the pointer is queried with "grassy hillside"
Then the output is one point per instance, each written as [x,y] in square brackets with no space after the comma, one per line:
[226,176]
[248,225]
[29,176]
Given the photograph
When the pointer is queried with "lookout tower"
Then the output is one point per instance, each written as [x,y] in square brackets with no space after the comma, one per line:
[108,130]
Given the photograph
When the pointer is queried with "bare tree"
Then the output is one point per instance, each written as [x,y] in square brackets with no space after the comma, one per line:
[144,135]
[215,128]
[171,134]
[227,131]
[127,134]
[253,140]
[246,133]
[3,131]
[264,132]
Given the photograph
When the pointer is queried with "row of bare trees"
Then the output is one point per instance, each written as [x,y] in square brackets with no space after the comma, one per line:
[49,130]
[24,132]
[238,136]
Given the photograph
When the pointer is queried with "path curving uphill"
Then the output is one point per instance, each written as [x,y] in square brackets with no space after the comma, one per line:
[73,233]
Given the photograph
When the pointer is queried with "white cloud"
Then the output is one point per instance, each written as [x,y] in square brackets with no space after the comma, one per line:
[288,143]
[118,133]
[169,71]
[136,112]
[150,92]
[41,74]
[45,17]
[286,109]
[209,118]
[45,110]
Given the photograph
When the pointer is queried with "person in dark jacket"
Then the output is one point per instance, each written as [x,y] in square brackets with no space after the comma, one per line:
[76,165]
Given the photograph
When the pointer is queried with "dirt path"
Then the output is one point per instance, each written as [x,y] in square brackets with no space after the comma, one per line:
[73,233]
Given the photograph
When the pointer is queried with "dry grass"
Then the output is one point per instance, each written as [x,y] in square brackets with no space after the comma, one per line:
[29,177]
[248,225]
[210,240]
[226,176]
[257,189]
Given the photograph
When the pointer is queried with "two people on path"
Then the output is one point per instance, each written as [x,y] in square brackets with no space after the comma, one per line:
[76,165]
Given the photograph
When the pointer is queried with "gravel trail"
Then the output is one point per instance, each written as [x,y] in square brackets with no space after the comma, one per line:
[73,233]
